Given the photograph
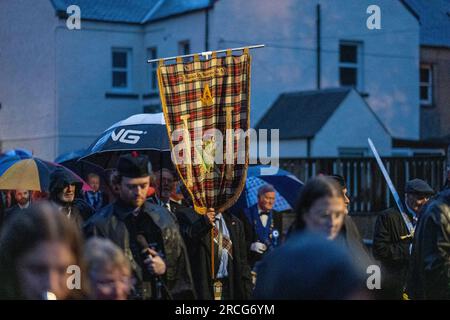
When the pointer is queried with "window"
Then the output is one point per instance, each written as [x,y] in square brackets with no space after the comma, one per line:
[121,69]
[184,47]
[426,85]
[350,65]
[152,108]
[152,54]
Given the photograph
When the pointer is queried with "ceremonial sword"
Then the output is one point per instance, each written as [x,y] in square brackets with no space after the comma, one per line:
[394,192]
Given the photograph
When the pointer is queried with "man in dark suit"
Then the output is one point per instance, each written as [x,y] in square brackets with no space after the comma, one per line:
[23,200]
[95,198]
[231,269]
[164,185]
[231,278]
[262,225]
[393,236]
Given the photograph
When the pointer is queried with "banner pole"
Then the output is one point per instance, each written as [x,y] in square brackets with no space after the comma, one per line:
[206,53]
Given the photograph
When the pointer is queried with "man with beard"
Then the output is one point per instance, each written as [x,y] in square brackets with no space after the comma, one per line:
[63,187]
[146,232]
[22,198]
[164,183]
[393,237]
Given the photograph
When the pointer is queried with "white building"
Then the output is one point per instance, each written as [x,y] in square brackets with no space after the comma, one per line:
[60,88]
[325,123]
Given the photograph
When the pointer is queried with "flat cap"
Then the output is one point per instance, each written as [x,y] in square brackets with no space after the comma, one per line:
[418,186]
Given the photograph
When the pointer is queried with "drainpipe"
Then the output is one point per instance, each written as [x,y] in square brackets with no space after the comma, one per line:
[318,39]
[207,29]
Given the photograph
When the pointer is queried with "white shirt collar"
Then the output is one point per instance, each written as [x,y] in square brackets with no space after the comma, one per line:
[25,206]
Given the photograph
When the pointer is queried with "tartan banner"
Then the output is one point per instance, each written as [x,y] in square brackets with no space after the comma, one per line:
[206,106]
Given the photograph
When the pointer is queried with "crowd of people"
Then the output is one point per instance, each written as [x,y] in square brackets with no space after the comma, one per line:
[135,235]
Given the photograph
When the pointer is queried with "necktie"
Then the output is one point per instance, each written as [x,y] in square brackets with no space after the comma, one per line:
[95,200]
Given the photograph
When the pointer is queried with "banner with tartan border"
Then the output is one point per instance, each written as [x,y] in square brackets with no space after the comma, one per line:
[208,96]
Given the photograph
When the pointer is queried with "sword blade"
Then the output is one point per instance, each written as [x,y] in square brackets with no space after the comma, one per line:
[386,176]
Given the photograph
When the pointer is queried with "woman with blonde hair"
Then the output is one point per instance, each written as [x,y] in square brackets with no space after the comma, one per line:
[108,269]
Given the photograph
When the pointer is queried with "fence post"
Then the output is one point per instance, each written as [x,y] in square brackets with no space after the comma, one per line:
[447,167]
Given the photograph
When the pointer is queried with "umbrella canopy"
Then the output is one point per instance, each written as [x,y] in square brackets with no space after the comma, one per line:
[82,168]
[21,153]
[30,174]
[286,184]
[70,156]
[145,133]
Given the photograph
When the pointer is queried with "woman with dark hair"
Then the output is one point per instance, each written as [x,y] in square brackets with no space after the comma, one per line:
[307,266]
[41,256]
[320,207]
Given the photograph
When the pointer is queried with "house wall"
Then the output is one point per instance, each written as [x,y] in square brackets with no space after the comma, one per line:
[53,80]
[84,69]
[349,127]
[288,62]
[435,119]
[27,76]
[296,148]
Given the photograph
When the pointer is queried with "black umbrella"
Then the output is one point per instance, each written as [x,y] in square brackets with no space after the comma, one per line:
[145,133]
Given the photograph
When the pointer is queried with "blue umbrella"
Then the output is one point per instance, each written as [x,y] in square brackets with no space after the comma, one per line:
[11,156]
[70,156]
[21,153]
[30,174]
[286,184]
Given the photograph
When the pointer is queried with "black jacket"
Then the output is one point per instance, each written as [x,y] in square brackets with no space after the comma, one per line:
[430,261]
[196,231]
[353,241]
[110,222]
[10,212]
[391,246]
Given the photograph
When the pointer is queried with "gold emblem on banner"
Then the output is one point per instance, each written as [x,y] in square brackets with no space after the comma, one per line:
[207,99]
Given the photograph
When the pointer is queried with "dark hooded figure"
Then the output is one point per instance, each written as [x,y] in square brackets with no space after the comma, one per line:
[63,188]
